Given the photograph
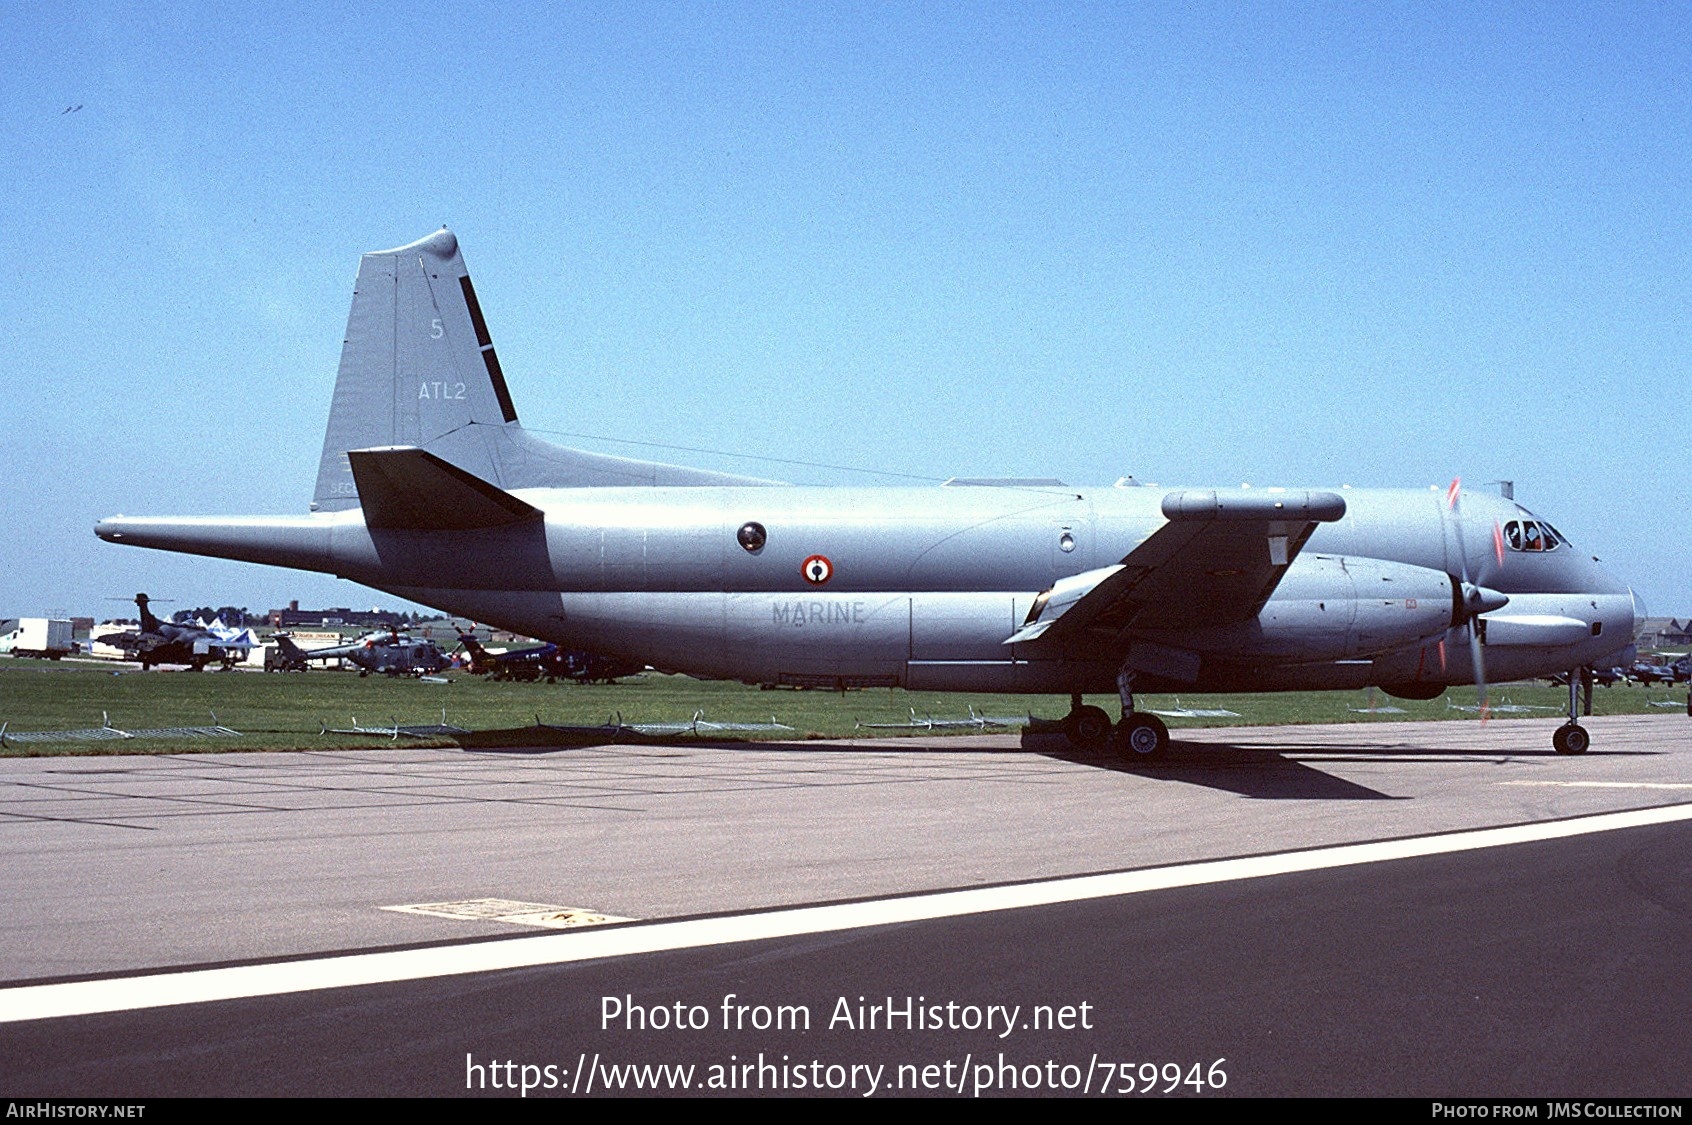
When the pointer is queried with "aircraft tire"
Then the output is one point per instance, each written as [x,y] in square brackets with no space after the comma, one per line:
[1087,727]
[1571,738]
[1141,738]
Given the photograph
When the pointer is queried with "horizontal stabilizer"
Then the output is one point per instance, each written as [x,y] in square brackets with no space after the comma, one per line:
[406,488]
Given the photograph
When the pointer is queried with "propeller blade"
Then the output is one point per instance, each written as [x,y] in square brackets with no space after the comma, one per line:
[1451,502]
[1472,598]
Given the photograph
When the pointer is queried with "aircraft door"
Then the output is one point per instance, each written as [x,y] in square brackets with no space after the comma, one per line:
[957,641]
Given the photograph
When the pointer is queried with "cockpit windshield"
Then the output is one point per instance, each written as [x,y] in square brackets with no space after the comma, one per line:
[1532,535]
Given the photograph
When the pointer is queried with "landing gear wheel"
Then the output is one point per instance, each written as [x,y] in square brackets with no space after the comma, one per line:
[1571,738]
[1087,727]
[1141,738]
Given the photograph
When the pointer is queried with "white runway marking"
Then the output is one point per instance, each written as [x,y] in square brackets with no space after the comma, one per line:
[517,913]
[1609,784]
[155,990]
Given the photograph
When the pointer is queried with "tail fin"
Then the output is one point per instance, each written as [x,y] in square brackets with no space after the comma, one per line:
[149,623]
[418,368]
[479,662]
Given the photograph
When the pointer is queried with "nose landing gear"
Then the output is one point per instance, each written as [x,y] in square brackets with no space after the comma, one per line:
[1571,737]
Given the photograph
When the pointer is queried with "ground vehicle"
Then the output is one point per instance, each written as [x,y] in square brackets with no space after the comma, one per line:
[46,638]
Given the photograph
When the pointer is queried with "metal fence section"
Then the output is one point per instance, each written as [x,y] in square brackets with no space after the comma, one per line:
[106,732]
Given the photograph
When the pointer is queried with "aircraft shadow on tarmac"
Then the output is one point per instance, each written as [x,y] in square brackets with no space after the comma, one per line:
[1274,772]
[1260,773]
[1248,769]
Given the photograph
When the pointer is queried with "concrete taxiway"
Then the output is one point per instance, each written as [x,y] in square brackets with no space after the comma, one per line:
[114,864]
[1431,909]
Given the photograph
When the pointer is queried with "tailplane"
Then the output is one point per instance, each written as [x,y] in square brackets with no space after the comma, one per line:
[418,368]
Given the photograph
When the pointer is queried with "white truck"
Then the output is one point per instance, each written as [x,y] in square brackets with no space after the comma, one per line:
[46,638]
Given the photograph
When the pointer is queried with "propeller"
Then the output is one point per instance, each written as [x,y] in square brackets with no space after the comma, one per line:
[1471,600]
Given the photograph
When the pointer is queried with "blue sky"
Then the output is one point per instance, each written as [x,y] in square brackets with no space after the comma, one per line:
[1286,244]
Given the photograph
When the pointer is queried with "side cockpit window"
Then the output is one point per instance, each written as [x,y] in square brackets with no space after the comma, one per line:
[1532,535]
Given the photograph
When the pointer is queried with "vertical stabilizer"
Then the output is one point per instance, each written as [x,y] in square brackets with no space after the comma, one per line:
[149,623]
[418,368]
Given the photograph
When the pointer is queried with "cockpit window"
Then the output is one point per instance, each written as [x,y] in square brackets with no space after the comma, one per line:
[1532,535]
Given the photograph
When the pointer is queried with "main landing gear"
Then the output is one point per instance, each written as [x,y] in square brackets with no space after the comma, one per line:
[1141,738]
[1138,737]
[1571,737]
[1085,726]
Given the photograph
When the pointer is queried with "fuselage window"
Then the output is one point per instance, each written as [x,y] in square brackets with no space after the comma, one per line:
[752,536]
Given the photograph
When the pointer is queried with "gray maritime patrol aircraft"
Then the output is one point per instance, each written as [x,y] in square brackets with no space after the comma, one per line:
[430,488]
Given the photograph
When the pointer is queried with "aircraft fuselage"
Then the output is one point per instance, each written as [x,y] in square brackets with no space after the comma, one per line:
[923,586]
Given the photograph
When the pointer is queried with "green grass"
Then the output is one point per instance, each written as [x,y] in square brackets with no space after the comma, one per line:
[288,711]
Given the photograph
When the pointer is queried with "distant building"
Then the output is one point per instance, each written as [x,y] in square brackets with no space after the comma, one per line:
[294,617]
[1665,632]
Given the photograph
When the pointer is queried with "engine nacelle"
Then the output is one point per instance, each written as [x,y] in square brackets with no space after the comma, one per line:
[1330,607]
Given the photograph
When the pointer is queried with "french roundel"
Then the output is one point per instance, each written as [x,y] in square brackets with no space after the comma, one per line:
[817,569]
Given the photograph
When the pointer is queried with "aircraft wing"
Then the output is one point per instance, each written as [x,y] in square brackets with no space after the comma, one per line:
[1216,561]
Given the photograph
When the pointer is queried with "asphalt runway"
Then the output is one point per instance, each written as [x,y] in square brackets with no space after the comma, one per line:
[1518,959]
